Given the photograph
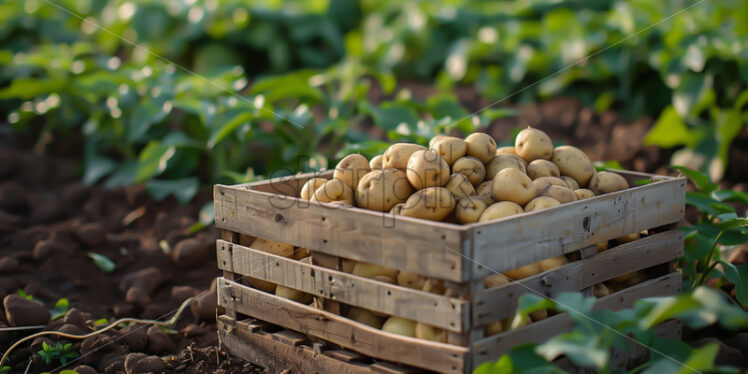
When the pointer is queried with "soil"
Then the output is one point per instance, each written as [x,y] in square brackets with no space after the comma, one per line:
[50,223]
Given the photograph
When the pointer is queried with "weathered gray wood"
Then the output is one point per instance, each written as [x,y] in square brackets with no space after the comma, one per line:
[493,347]
[352,335]
[500,302]
[520,240]
[445,312]
[415,245]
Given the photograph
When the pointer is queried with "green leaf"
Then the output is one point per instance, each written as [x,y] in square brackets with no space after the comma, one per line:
[582,349]
[205,218]
[668,308]
[529,303]
[701,180]
[575,303]
[733,223]
[731,196]
[153,160]
[102,262]
[97,167]
[737,275]
[60,308]
[669,131]
[228,127]
[390,115]
[182,189]
[24,295]
[608,165]
[29,88]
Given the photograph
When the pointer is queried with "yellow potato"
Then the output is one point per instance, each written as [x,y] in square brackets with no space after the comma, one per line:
[435,139]
[435,286]
[493,328]
[495,280]
[583,193]
[433,203]
[472,167]
[602,246]
[561,194]
[571,182]
[459,185]
[367,270]
[571,161]
[606,182]
[533,144]
[543,182]
[333,190]
[469,209]
[523,272]
[552,263]
[626,238]
[449,148]
[428,332]
[295,295]
[539,315]
[513,185]
[411,280]
[385,279]
[351,169]
[501,162]
[276,248]
[400,326]
[397,209]
[397,155]
[366,317]
[380,190]
[542,168]
[500,210]
[261,285]
[481,146]
[427,169]
[376,162]
[600,290]
[347,265]
[485,188]
[307,191]
[506,151]
[540,203]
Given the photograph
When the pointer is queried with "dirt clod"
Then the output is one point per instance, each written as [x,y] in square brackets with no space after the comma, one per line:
[137,363]
[159,342]
[91,234]
[22,312]
[191,252]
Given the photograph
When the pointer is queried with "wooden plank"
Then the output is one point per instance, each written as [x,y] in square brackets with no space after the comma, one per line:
[415,245]
[352,335]
[445,312]
[345,355]
[330,262]
[390,368]
[231,237]
[276,357]
[516,241]
[493,347]
[288,185]
[290,337]
[500,302]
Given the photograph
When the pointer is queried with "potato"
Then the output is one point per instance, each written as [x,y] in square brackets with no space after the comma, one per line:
[600,290]
[397,209]
[513,185]
[606,182]
[427,169]
[481,146]
[380,190]
[543,182]
[385,279]
[626,238]
[506,151]
[552,263]
[428,332]
[602,246]
[493,328]
[307,191]
[351,169]
[459,185]
[495,280]
[542,168]
[449,148]
[367,270]
[500,210]
[501,162]
[533,144]
[571,182]
[572,162]
[562,194]
[523,272]
[400,326]
[366,317]
[295,295]
[435,286]
[433,203]
[397,155]
[435,139]
[376,162]
[262,285]
[411,280]
[472,167]
[485,188]
[276,248]
[333,190]
[583,193]
[540,203]
[539,315]
[469,209]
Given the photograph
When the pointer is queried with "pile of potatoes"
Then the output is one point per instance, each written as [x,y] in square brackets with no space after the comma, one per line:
[459,181]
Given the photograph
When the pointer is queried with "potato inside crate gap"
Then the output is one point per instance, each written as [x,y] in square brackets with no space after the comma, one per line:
[355,260]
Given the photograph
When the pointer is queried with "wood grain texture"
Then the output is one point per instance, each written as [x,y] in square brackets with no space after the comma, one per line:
[500,302]
[372,342]
[516,241]
[493,347]
[445,312]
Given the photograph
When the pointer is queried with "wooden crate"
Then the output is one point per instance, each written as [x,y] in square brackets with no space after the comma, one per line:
[461,255]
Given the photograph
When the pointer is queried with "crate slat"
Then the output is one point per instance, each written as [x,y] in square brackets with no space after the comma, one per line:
[531,237]
[372,342]
[491,348]
[500,302]
[436,310]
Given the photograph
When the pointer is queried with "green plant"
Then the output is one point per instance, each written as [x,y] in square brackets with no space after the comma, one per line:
[596,333]
[58,352]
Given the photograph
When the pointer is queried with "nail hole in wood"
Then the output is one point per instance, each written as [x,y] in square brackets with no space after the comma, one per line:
[323,219]
[324,241]
[311,272]
[444,236]
[389,293]
[329,278]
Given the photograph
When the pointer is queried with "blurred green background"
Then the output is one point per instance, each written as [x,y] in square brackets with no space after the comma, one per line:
[282,86]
